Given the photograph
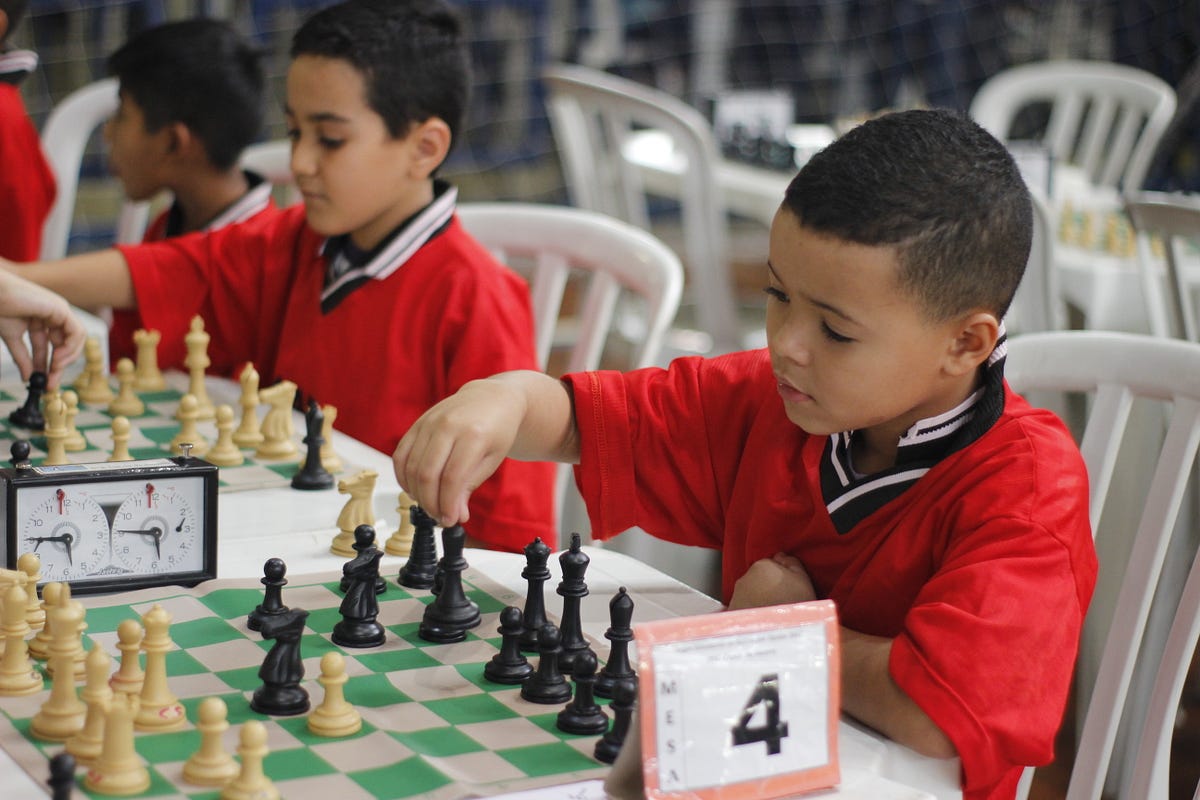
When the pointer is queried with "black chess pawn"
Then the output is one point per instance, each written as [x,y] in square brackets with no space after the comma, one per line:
[273,581]
[313,475]
[357,546]
[509,666]
[537,553]
[19,451]
[451,614]
[418,572]
[582,716]
[624,700]
[547,685]
[282,670]
[573,589]
[62,776]
[620,634]
[29,415]
[360,606]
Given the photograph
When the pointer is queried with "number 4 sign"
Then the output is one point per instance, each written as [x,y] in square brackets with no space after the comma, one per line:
[740,704]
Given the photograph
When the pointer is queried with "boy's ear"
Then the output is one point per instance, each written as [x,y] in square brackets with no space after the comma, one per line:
[3,25]
[975,339]
[431,140]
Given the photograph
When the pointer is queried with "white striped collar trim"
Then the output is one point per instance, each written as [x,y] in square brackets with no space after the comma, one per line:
[17,61]
[887,480]
[245,207]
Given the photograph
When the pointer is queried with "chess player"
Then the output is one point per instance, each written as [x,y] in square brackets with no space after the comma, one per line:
[55,335]
[872,454]
[370,296]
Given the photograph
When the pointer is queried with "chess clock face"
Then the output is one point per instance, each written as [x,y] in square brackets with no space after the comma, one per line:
[108,526]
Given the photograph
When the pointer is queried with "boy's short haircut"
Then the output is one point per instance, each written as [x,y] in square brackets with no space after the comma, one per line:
[199,72]
[939,188]
[14,10]
[410,53]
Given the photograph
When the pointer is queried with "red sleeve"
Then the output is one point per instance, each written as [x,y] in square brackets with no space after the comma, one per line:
[27,185]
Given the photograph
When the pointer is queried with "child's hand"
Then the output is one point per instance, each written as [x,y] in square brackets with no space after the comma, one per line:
[55,334]
[456,445]
[772,581]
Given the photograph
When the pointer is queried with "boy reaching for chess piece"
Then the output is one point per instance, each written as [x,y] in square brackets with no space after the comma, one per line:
[872,454]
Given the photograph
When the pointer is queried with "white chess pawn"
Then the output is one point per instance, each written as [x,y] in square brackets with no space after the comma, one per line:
[189,432]
[94,388]
[129,676]
[126,403]
[335,716]
[52,594]
[120,435]
[75,440]
[211,765]
[97,694]
[56,431]
[225,453]
[251,783]
[248,433]
[31,565]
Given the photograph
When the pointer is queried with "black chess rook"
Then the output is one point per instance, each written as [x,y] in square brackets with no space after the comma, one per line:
[419,571]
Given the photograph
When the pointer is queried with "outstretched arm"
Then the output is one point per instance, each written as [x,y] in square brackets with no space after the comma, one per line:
[458,443]
[55,334]
[91,280]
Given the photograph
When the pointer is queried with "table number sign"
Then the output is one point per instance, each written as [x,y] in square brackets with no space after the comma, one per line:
[740,704]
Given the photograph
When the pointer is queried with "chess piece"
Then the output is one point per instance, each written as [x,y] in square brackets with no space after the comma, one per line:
[159,709]
[282,670]
[197,361]
[251,782]
[19,450]
[400,542]
[94,389]
[273,581]
[334,717]
[359,609]
[121,430]
[128,678]
[509,666]
[359,510]
[189,433]
[277,425]
[126,403]
[148,376]
[62,715]
[56,431]
[17,675]
[225,453]
[572,588]
[547,685]
[312,474]
[52,593]
[624,699]
[537,553]
[451,614]
[248,433]
[74,441]
[62,776]
[418,572]
[119,769]
[29,414]
[97,694]
[31,565]
[620,634]
[211,765]
[359,544]
[78,656]
[329,457]
[582,716]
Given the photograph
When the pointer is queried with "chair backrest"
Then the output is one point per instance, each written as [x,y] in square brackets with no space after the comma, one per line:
[592,262]
[1172,221]
[1105,118]
[593,114]
[1113,370]
[1038,304]
[65,135]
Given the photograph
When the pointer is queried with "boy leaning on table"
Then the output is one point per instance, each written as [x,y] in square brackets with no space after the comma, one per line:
[872,454]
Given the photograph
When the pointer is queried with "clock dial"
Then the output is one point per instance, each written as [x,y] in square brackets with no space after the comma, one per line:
[157,529]
[67,529]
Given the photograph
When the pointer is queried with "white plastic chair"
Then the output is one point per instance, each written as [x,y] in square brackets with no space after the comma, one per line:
[1038,304]
[593,114]
[1113,370]
[1105,118]
[1174,219]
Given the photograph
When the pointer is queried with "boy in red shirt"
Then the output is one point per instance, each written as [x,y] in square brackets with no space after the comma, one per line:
[370,296]
[27,185]
[872,454]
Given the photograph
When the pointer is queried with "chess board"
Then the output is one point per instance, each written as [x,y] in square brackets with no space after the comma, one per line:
[150,437]
[433,727]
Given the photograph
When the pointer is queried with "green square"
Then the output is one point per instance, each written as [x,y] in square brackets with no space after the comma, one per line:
[395,593]
[164,747]
[179,662]
[474,675]
[323,619]
[409,778]
[203,631]
[408,632]
[231,604]
[373,691]
[396,660]
[160,435]
[547,759]
[161,396]
[298,762]
[487,604]
[243,679]
[439,742]
[110,617]
[284,470]
[472,708]
[549,723]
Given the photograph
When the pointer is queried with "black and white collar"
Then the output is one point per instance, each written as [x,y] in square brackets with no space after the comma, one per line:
[850,498]
[253,201]
[349,267]
[15,66]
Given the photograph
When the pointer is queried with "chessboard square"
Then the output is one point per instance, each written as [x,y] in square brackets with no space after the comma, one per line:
[233,603]
[340,786]
[471,651]
[474,674]
[468,768]
[435,683]
[201,632]
[180,662]
[367,750]
[407,630]
[229,655]
[323,619]
[506,733]
[472,708]
[410,778]
[397,660]
[395,593]
[401,719]
[297,762]
[237,709]
[549,723]
[182,607]
[161,396]
[160,785]
[440,742]
[487,604]
[285,469]
[163,747]
[547,759]
[160,435]
[374,691]
[107,619]
[244,679]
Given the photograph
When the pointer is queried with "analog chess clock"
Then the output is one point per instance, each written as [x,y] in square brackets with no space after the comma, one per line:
[107,526]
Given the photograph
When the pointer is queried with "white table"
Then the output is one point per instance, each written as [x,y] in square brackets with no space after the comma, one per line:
[299,526]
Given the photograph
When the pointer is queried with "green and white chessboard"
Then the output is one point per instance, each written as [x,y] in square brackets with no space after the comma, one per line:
[150,437]
[433,727]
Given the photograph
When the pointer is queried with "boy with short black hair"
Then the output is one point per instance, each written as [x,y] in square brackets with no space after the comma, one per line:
[27,186]
[371,296]
[191,100]
[872,454]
